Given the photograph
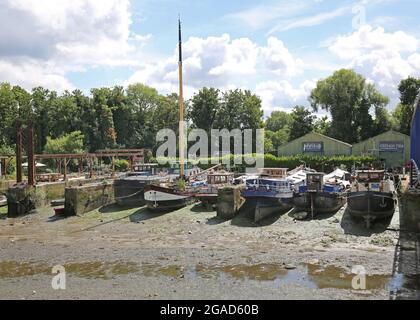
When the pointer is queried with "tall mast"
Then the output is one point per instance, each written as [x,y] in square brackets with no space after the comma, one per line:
[181,108]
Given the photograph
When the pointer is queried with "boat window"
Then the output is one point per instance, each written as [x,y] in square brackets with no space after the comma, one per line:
[363,176]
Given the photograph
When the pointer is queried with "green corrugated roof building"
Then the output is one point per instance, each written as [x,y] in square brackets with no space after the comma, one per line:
[316,144]
[392,146]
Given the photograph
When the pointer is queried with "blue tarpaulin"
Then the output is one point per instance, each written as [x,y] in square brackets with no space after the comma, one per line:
[415,135]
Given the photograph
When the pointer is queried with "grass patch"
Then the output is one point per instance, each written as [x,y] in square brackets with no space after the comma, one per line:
[3,211]
[383,241]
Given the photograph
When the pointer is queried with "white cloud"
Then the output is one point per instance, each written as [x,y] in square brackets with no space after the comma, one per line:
[279,60]
[309,21]
[367,39]
[30,74]
[384,58]
[226,63]
[261,15]
[281,95]
[64,36]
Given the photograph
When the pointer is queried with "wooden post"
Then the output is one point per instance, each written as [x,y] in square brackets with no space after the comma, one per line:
[3,167]
[19,153]
[113,168]
[91,168]
[65,169]
[80,166]
[130,163]
[60,166]
[31,157]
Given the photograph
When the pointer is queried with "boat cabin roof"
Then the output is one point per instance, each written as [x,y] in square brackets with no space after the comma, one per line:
[220,177]
[315,174]
[177,165]
[370,175]
[274,172]
[314,177]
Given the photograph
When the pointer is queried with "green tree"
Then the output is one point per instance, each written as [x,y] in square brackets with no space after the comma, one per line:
[87,116]
[69,143]
[103,130]
[205,106]
[268,143]
[277,129]
[142,101]
[66,115]
[240,110]
[322,126]
[349,98]
[302,122]
[409,90]
[278,120]
[43,104]
[120,115]
[277,138]
[8,114]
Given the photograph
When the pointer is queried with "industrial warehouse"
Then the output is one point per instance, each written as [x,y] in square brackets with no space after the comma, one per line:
[393,148]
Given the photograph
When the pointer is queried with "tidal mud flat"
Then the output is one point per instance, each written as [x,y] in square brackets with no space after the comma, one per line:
[114,253]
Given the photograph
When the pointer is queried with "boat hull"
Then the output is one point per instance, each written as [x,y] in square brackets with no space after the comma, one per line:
[129,192]
[323,203]
[265,206]
[166,199]
[371,205]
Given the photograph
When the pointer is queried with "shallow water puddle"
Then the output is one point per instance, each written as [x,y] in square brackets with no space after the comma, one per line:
[152,270]
[13,269]
[87,270]
[307,275]
[261,272]
[338,278]
[101,270]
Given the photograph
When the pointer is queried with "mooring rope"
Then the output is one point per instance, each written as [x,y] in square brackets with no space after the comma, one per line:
[129,196]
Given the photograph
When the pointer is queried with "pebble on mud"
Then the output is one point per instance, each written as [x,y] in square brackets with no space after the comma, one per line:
[300,215]
[290,267]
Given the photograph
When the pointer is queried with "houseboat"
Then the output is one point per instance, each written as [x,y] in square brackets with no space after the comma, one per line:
[372,196]
[270,193]
[207,191]
[322,194]
[129,190]
[176,193]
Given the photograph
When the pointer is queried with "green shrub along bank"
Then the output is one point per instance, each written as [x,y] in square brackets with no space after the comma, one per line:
[319,163]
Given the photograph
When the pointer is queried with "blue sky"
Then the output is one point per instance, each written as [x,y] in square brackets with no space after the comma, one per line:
[278,49]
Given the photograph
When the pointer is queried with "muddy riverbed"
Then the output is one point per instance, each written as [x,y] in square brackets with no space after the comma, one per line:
[190,254]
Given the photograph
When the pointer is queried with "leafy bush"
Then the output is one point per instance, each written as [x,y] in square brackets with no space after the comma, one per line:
[70,143]
[8,151]
[121,165]
[319,163]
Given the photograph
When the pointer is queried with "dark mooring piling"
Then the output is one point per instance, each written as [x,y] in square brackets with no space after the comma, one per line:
[229,202]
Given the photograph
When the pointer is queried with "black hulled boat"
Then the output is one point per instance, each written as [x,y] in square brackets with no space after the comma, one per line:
[372,196]
[321,194]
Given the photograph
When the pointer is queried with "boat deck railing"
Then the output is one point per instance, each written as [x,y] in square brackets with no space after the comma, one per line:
[414,176]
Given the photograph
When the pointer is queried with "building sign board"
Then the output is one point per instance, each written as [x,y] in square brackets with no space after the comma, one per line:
[391,146]
[313,147]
